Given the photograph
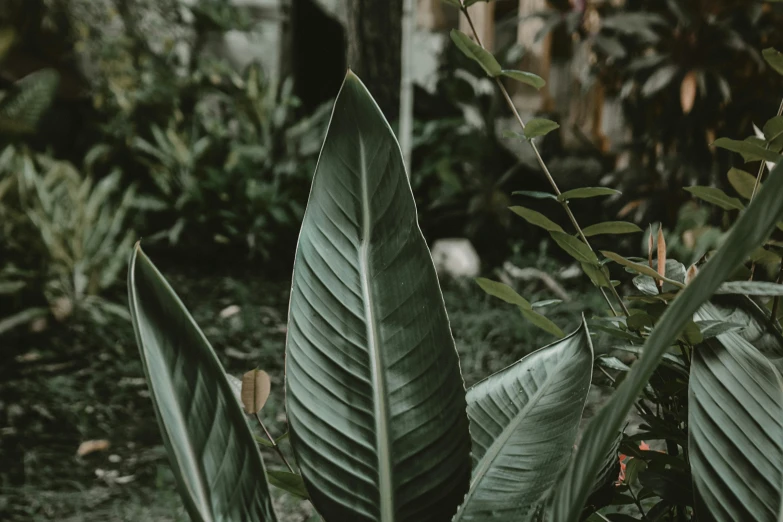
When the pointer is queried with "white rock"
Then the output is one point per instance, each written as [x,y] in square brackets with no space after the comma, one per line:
[456,257]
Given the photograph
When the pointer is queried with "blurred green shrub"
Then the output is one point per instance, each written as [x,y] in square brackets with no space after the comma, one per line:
[68,231]
[674,67]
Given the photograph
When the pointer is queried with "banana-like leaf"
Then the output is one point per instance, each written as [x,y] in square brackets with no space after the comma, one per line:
[218,469]
[375,399]
[735,438]
[524,420]
[750,231]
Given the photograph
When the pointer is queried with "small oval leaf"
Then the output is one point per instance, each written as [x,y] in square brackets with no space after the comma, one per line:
[611,227]
[773,132]
[575,248]
[475,52]
[540,127]
[502,291]
[587,192]
[741,181]
[717,197]
[542,322]
[536,194]
[537,219]
[528,78]
[774,58]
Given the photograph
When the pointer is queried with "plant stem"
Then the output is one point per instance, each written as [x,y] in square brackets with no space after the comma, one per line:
[548,174]
[776,299]
[761,167]
[275,446]
[756,188]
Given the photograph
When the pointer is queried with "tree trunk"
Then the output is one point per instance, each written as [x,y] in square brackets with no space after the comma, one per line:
[374,43]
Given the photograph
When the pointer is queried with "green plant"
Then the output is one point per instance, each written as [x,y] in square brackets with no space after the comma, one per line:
[701,362]
[77,236]
[378,420]
[239,157]
[375,400]
[665,58]
[374,396]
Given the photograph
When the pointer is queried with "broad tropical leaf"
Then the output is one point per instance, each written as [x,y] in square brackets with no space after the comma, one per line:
[524,421]
[750,231]
[214,458]
[375,399]
[735,436]
[774,58]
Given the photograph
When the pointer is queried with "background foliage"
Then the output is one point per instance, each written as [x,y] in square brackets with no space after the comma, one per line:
[108,135]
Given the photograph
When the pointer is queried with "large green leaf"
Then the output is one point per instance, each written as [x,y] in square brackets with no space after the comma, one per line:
[524,420]
[735,436]
[214,458]
[750,231]
[375,399]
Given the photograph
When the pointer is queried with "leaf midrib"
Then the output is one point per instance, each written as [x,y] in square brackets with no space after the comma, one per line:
[380,400]
[495,448]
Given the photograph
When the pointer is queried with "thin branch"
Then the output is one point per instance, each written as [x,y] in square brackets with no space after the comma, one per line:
[548,174]
[275,446]
[756,188]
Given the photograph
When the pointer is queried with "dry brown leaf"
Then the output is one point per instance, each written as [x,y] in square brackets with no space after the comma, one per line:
[691,273]
[256,386]
[688,92]
[91,446]
[661,255]
[629,207]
